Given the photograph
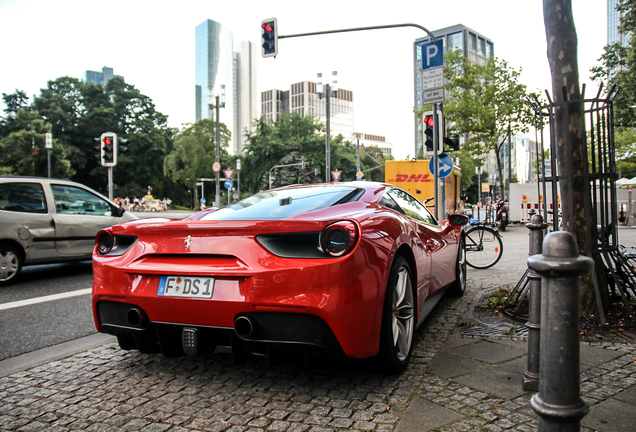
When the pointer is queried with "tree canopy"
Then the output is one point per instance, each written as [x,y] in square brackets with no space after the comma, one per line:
[618,67]
[76,113]
[486,103]
[168,160]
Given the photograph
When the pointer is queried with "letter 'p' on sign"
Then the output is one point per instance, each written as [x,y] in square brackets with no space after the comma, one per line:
[433,54]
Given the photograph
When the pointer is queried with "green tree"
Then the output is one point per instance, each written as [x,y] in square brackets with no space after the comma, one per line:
[618,67]
[292,139]
[486,102]
[625,147]
[22,151]
[194,153]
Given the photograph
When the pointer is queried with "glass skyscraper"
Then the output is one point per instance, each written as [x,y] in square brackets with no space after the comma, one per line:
[613,21]
[216,65]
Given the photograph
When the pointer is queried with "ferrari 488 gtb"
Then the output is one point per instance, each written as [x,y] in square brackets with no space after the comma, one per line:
[352,268]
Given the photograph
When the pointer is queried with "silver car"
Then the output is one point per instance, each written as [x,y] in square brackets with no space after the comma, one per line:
[45,221]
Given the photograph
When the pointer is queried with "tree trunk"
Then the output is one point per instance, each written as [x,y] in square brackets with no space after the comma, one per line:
[562,56]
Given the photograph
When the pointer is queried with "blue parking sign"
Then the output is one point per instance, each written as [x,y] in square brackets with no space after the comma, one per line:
[433,54]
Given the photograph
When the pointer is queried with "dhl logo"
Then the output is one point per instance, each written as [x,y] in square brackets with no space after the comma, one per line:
[413,178]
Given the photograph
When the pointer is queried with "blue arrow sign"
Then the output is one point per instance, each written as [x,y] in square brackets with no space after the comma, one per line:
[228,184]
[445,164]
[433,54]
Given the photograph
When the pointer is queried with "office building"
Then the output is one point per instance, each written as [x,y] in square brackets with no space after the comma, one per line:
[304,99]
[369,140]
[613,21]
[474,46]
[100,78]
[220,69]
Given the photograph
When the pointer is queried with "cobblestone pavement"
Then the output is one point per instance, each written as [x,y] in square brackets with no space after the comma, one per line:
[108,389]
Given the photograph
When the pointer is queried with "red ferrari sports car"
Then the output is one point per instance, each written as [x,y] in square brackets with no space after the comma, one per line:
[352,268]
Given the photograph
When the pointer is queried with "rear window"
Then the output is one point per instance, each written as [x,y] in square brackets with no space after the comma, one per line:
[22,197]
[281,204]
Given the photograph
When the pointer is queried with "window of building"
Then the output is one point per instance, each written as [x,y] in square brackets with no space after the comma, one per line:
[472,41]
[481,46]
[455,41]
[489,49]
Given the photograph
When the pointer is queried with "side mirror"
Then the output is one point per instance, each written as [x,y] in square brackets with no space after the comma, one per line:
[455,222]
[118,211]
[458,220]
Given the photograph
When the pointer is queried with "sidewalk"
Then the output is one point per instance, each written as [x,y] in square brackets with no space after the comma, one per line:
[461,378]
[475,381]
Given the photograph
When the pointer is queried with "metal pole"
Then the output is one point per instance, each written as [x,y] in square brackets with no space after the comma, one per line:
[558,404]
[358,156]
[630,216]
[328,139]
[531,375]
[110,183]
[48,157]
[217,198]
[435,162]
[238,177]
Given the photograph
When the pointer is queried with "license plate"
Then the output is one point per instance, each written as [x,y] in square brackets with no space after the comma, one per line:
[186,286]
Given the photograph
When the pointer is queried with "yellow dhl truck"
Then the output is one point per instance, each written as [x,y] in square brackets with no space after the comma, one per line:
[415,177]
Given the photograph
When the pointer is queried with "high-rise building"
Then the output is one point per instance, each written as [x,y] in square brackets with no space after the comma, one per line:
[304,99]
[100,78]
[613,21]
[474,46]
[218,67]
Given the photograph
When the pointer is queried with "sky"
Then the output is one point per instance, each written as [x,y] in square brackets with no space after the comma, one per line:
[151,44]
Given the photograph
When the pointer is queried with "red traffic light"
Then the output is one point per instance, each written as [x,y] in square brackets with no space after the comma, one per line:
[429,121]
[267,27]
[107,141]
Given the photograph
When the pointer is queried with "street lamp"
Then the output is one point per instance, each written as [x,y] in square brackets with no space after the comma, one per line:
[329,92]
[217,102]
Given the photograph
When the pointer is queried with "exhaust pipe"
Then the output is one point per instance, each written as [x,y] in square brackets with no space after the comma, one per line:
[137,317]
[244,326]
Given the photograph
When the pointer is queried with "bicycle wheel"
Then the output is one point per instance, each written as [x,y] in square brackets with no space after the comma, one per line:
[483,247]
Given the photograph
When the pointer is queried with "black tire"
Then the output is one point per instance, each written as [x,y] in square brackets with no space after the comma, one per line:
[484,247]
[10,264]
[458,288]
[503,225]
[398,319]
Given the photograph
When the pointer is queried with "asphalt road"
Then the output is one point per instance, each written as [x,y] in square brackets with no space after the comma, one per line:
[31,319]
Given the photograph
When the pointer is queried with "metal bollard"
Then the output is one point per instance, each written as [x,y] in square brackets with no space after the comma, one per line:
[558,403]
[531,375]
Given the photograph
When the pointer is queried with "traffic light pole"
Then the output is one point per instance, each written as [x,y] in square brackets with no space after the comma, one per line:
[435,162]
[110,183]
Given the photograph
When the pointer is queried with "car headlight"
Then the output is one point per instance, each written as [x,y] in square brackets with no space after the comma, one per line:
[113,245]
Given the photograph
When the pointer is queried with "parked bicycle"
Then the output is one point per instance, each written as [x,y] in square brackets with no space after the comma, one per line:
[484,246]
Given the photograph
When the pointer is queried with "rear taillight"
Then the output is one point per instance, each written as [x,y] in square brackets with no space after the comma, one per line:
[104,241]
[111,245]
[339,238]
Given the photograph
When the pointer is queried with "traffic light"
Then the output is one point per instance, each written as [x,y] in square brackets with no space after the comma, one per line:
[269,37]
[428,133]
[452,142]
[108,149]
[429,124]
